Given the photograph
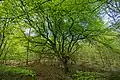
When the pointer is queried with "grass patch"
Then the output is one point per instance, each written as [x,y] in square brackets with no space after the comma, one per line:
[80,75]
[16,73]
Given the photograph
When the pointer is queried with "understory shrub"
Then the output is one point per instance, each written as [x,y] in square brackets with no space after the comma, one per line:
[16,73]
[80,75]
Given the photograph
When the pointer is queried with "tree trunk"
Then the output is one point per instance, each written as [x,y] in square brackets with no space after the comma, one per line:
[66,69]
[65,64]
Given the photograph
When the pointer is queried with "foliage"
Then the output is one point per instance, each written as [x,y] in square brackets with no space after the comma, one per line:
[65,30]
[114,75]
[60,27]
[7,70]
[80,75]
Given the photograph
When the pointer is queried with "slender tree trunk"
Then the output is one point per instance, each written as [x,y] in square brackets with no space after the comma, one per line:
[27,54]
[28,45]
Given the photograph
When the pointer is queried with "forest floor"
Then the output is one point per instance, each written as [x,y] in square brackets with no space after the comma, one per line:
[53,72]
[45,71]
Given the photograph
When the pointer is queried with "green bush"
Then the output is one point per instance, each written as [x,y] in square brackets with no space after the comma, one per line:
[114,75]
[15,73]
[80,75]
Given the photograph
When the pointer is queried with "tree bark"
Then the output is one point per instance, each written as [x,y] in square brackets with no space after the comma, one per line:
[65,63]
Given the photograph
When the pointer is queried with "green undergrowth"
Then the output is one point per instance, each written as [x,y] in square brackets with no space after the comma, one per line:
[16,73]
[80,75]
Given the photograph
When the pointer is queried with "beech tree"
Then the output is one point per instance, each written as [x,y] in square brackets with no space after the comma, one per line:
[63,26]
[60,26]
